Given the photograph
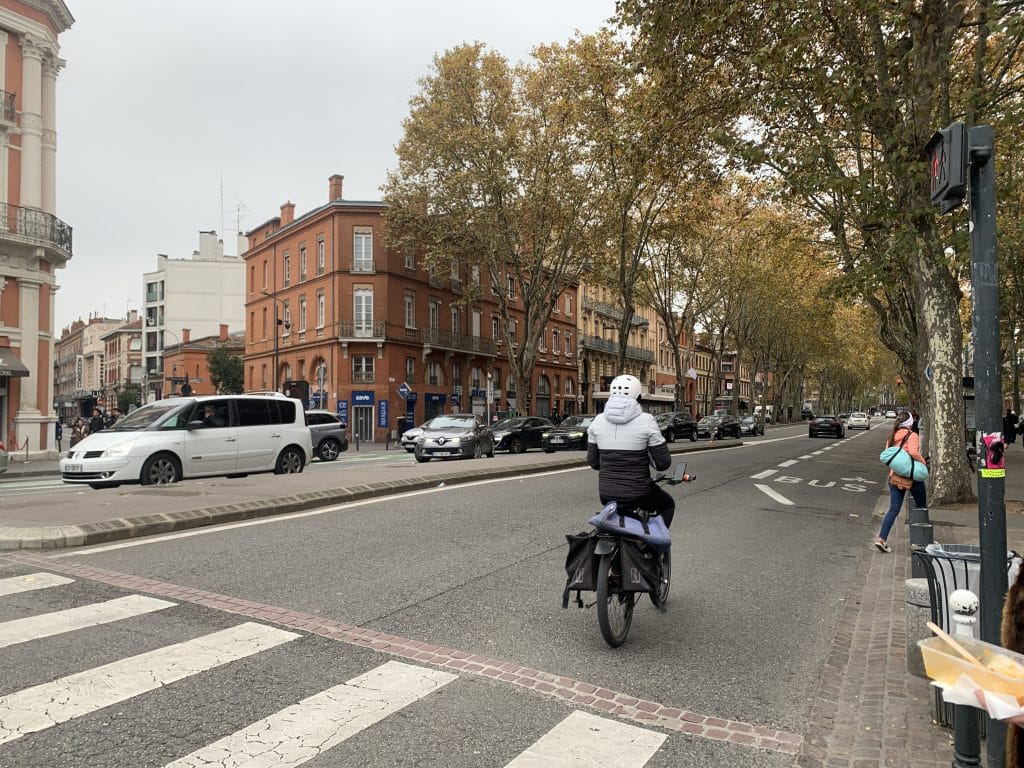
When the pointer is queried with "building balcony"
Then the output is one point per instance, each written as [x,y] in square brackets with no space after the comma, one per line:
[607,310]
[34,227]
[362,377]
[457,342]
[612,348]
[349,330]
[7,111]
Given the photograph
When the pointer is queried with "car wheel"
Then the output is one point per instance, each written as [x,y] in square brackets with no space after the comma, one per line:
[693,436]
[422,459]
[516,445]
[290,462]
[669,437]
[549,450]
[329,450]
[490,451]
[161,469]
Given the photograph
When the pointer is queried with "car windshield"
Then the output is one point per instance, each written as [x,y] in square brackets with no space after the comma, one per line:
[508,424]
[451,422]
[711,419]
[577,421]
[147,416]
[662,418]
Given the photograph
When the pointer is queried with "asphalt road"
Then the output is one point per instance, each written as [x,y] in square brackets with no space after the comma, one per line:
[759,578]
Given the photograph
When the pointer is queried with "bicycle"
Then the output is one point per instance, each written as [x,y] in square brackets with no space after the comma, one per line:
[632,549]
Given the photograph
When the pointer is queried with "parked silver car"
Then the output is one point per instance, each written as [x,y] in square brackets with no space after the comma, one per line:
[330,438]
[456,435]
[409,438]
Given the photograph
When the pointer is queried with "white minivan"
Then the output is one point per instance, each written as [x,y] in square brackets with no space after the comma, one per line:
[182,437]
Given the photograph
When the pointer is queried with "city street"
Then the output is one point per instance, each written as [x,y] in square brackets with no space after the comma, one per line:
[433,621]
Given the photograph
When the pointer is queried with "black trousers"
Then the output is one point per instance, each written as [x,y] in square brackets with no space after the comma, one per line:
[655,500]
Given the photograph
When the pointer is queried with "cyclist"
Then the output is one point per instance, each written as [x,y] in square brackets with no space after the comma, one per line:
[622,444]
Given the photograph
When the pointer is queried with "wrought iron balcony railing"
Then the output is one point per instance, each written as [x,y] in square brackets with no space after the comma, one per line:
[609,311]
[362,377]
[7,106]
[36,225]
[612,348]
[457,341]
[349,329]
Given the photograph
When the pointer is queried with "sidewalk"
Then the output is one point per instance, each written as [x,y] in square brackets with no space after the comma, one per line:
[869,710]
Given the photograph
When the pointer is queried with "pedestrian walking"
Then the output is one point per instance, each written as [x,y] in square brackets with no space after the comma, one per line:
[58,435]
[96,422]
[1010,422]
[904,436]
[78,431]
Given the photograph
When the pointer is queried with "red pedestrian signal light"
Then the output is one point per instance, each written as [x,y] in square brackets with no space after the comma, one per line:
[947,164]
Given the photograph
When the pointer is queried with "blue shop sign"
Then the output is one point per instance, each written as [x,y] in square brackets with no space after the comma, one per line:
[434,397]
[382,413]
[362,398]
[343,411]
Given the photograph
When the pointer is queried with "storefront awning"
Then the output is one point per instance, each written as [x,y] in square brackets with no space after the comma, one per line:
[10,365]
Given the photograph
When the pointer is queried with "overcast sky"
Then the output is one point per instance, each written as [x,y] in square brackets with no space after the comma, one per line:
[156,107]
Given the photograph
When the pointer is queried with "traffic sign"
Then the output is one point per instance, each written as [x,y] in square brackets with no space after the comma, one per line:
[404,390]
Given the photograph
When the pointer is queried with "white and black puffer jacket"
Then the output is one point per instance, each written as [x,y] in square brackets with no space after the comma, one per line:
[622,443]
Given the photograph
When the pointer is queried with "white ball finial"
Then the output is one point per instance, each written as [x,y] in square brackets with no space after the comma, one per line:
[963,601]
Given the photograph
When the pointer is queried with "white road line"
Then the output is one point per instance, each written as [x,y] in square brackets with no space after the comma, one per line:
[583,740]
[817,453]
[789,463]
[59,622]
[805,456]
[42,706]
[828,448]
[31,581]
[763,475]
[772,494]
[305,730]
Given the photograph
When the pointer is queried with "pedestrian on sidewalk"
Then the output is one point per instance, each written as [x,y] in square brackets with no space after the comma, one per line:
[58,434]
[1010,427]
[96,422]
[904,436]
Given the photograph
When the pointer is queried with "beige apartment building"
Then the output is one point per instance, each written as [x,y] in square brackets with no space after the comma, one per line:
[122,358]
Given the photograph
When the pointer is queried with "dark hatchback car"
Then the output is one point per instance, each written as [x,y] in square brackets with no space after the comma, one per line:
[330,437]
[751,425]
[520,433]
[826,426]
[721,426]
[677,425]
[569,435]
[456,435]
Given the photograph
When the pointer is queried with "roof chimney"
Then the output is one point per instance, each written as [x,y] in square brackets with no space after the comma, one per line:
[334,191]
[287,213]
[223,331]
[185,333]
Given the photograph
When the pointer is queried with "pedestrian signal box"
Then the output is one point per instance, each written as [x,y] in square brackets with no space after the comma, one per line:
[947,158]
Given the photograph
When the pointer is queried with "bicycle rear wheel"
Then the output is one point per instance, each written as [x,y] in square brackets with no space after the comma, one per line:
[614,607]
[660,597]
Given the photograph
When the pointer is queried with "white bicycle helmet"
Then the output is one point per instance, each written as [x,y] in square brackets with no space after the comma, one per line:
[625,385]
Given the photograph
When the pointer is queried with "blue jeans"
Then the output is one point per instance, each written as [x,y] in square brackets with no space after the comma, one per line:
[896,496]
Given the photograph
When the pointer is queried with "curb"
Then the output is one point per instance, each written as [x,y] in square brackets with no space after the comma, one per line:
[116,529]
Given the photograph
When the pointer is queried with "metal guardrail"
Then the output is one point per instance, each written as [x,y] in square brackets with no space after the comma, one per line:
[612,348]
[458,341]
[608,310]
[347,329]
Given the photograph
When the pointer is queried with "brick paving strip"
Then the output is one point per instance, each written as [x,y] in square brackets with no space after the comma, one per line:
[869,710]
[556,686]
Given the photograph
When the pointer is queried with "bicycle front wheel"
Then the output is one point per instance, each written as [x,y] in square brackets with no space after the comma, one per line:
[614,607]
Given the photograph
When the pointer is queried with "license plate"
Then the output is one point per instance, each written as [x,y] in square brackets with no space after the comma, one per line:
[556,439]
[72,467]
[442,453]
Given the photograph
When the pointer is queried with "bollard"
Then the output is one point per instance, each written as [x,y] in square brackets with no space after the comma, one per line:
[966,740]
[921,535]
[917,615]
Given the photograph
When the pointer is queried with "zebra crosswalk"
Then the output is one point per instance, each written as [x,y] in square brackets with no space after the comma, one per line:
[316,727]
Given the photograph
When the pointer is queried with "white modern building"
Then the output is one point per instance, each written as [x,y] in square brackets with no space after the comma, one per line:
[200,293]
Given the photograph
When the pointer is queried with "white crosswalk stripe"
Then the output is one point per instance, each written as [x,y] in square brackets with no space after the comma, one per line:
[301,732]
[31,581]
[583,740]
[37,708]
[59,622]
[287,738]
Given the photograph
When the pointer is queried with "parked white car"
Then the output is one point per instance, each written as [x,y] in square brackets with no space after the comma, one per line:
[184,437]
[858,420]
[890,414]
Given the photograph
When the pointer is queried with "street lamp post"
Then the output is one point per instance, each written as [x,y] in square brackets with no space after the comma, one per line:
[277,322]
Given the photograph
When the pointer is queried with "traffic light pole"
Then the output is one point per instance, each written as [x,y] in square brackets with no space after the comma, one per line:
[988,400]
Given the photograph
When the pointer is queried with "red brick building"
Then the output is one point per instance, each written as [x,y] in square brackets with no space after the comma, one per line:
[187,362]
[334,315]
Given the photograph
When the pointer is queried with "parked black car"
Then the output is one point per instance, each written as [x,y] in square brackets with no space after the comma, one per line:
[823,426]
[330,438]
[520,433]
[570,434]
[751,425]
[677,425]
[720,426]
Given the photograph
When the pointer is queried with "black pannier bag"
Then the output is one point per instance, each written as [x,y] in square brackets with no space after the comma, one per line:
[639,563]
[580,565]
